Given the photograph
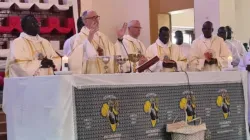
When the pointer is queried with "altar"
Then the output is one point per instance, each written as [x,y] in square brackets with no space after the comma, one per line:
[117,106]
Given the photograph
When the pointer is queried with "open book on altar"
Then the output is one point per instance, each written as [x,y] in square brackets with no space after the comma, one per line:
[148,64]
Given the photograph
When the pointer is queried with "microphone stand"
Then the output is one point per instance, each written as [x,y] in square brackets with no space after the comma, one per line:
[130,67]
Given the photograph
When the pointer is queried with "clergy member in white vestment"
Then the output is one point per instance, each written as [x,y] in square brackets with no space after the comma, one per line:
[90,47]
[130,44]
[245,62]
[185,48]
[30,54]
[171,57]
[236,57]
[208,52]
[68,45]
[239,46]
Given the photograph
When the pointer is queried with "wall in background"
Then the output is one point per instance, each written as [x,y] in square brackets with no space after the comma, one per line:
[183,18]
[114,13]
[164,7]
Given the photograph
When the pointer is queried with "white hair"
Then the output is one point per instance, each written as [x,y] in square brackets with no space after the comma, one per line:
[132,22]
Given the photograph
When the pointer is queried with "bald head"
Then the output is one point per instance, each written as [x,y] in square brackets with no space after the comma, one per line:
[89,17]
[134,28]
[207,29]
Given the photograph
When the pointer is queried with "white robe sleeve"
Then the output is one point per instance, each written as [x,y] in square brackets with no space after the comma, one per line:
[195,61]
[82,51]
[20,63]
[223,55]
[150,53]
[66,47]
[236,56]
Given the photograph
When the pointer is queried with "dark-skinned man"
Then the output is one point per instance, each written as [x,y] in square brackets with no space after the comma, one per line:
[239,46]
[236,57]
[30,54]
[171,57]
[208,52]
[185,48]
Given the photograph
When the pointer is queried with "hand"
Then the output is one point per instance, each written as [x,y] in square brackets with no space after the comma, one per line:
[93,29]
[47,63]
[142,60]
[100,51]
[168,61]
[122,31]
[208,56]
[248,68]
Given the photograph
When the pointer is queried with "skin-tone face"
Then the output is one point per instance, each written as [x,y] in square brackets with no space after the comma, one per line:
[134,29]
[207,29]
[164,36]
[32,26]
[91,18]
[179,37]
[222,33]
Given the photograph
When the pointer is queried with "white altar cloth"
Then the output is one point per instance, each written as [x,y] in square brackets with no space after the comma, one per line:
[41,108]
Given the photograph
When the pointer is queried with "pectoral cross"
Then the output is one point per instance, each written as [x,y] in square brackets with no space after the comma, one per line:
[100,51]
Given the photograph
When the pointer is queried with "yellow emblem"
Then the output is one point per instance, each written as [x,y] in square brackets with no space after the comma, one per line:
[188,104]
[151,108]
[110,111]
[223,101]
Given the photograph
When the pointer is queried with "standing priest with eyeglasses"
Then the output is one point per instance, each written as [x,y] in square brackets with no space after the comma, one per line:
[90,47]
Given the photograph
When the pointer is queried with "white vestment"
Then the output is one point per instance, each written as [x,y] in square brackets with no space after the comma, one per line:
[239,46]
[23,58]
[244,61]
[161,50]
[84,58]
[68,45]
[129,45]
[185,49]
[235,53]
[200,46]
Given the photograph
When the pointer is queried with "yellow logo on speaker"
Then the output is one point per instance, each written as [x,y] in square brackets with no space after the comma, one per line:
[151,107]
[110,110]
[223,101]
[188,104]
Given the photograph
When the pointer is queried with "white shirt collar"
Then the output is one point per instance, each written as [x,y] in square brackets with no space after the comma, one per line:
[158,42]
[35,39]
[85,30]
[130,38]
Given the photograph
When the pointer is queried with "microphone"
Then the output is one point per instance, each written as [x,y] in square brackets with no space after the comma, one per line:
[130,67]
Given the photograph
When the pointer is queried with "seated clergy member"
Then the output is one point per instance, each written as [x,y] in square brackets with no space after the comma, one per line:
[68,45]
[130,44]
[236,57]
[89,47]
[171,57]
[30,54]
[208,53]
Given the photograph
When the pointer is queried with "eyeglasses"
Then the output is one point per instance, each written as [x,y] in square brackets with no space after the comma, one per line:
[136,27]
[94,18]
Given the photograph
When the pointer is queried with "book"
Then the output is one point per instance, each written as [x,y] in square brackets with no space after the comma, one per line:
[148,64]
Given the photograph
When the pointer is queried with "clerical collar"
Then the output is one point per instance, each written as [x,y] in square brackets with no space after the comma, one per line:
[206,39]
[85,30]
[159,43]
[130,38]
[36,38]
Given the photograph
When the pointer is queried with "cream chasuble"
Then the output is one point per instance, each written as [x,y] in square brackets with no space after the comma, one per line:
[84,57]
[200,46]
[161,50]
[23,58]
[130,46]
